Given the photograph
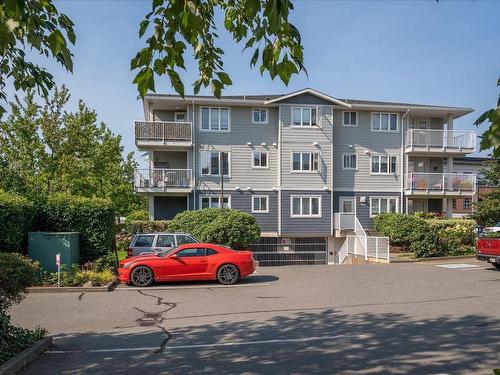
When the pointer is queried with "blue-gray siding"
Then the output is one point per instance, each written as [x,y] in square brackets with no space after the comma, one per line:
[165,208]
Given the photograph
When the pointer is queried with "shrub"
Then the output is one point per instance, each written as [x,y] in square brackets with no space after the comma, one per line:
[143,226]
[488,208]
[136,215]
[493,235]
[16,219]
[400,228]
[105,262]
[17,274]
[75,276]
[93,218]
[233,228]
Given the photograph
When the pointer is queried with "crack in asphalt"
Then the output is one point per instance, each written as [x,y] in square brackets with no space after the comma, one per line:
[80,296]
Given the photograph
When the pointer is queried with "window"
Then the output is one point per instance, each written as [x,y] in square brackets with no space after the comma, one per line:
[211,252]
[211,162]
[260,204]
[381,205]
[467,203]
[383,164]
[214,119]
[193,252]
[306,206]
[180,116]
[259,116]
[350,161]
[454,204]
[385,122]
[350,119]
[304,116]
[305,161]
[260,159]
[213,201]
[183,239]
[165,241]
[144,241]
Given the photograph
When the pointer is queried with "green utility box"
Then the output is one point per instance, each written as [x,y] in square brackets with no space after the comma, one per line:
[43,246]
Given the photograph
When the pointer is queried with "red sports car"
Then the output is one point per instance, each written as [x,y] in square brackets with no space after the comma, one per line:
[196,261]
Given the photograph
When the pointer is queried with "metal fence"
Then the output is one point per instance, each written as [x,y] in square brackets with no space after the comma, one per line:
[454,182]
[430,138]
[273,251]
[163,131]
[163,178]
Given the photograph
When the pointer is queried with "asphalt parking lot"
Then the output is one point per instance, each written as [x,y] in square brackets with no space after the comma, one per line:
[428,318]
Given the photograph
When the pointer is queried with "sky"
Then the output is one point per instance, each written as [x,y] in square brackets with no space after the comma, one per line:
[426,52]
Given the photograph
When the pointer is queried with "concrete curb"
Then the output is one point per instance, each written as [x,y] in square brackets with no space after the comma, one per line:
[432,259]
[73,289]
[23,358]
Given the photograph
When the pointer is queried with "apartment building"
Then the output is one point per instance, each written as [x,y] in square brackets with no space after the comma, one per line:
[309,166]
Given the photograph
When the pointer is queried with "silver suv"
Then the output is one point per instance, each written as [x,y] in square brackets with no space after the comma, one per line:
[156,242]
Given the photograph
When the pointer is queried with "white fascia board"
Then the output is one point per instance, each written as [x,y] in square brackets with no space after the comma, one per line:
[312,92]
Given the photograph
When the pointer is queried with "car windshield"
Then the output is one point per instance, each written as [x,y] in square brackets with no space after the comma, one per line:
[166,252]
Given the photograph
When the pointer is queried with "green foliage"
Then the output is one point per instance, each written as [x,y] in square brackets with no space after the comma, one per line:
[34,25]
[144,226]
[491,173]
[142,215]
[425,215]
[15,339]
[75,276]
[174,26]
[487,211]
[493,235]
[226,227]
[16,219]
[491,137]
[17,274]
[93,218]
[46,149]
[428,237]
[106,262]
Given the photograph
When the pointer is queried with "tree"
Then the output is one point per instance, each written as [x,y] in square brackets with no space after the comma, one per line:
[37,25]
[488,207]
[45,149]
[491,173]
[175,25]
[491,137]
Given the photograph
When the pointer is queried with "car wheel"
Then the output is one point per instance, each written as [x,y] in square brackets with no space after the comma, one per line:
[142,276]
[496,265]
[228,274]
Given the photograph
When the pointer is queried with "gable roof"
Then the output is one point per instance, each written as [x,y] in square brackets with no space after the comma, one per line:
[309,91]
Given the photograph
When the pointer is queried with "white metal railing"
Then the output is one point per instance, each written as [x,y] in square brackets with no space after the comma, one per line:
[163,131]
[344,220]
[443,182]
[163,178]
[377,247]
[360,232]
[429,138]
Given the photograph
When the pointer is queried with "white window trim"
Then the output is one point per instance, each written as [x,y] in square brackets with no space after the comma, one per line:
[349,168]
[180,113]
[210,119]
[305,171]
[350,125]
[256,166]
[266,211]
[220,165]
[388,173]
[385,131]
[383,197]
[302,126]
[260,122]
[228,196]
[305,196]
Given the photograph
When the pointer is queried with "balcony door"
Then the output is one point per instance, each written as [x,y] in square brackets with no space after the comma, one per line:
[348,205]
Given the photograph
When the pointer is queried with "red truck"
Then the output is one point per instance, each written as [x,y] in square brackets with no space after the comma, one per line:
[488,250]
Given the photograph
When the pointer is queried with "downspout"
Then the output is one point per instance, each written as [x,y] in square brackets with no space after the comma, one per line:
[403,161]
[193,135]
[279,169]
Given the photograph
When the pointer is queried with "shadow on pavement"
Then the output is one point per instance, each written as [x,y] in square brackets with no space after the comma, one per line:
[346,343]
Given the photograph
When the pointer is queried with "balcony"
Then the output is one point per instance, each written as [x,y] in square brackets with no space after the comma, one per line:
[440,184]
[163,133]
[439,142]
[163,180]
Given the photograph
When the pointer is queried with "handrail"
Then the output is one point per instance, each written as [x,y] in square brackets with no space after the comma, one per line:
[420,181]
[456,139]
[163,131]
[163,178]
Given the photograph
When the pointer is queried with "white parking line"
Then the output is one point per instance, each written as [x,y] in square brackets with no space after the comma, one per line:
[457,265]
[212,345]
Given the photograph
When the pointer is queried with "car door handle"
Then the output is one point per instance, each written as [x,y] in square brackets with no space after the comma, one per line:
[203,261]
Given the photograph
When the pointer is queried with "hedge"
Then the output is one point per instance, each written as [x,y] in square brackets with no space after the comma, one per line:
[93,218]
[428,237]
[16,219]
[142,215]
[144,226]
[233,228]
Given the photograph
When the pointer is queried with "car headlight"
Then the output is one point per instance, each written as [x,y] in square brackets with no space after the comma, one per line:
[127,265]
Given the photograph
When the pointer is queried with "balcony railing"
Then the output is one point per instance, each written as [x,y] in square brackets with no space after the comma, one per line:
[461,140]
[345,220]
[441,182]
[163,131]
[163,178]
